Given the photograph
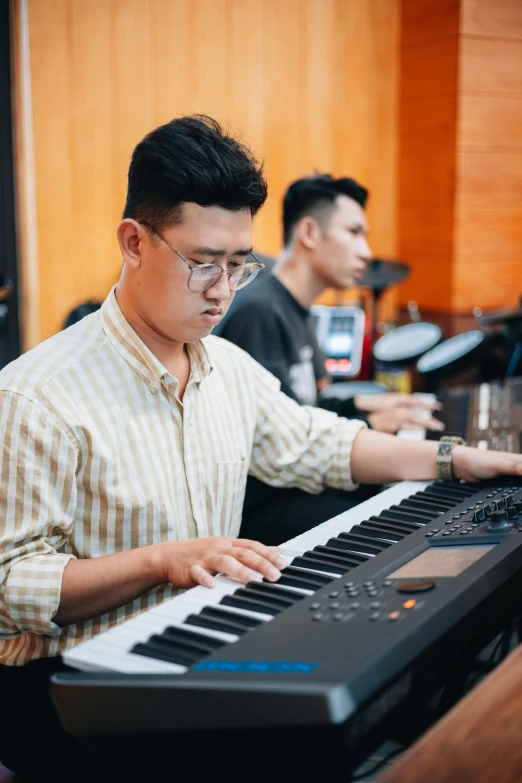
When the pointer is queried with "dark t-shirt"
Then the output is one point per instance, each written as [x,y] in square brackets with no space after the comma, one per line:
[270,324]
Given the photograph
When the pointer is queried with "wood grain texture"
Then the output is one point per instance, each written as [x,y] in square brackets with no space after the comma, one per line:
[487,280]
[309,84]
[501,19]
[460,175]
[488,236]
[477,742]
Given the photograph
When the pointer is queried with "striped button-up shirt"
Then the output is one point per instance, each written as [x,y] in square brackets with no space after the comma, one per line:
[99,455]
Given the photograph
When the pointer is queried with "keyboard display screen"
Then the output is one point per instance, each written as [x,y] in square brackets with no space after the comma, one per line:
[441,561]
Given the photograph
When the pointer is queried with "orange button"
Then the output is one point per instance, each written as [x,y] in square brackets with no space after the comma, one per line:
[409,604]
[394,615]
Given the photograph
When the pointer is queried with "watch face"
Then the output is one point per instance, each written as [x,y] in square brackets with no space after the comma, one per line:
[445,448]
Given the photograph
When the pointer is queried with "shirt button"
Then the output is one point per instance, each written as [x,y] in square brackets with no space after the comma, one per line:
[153,384]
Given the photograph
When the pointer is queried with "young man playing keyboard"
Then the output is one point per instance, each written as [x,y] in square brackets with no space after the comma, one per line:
[127,438]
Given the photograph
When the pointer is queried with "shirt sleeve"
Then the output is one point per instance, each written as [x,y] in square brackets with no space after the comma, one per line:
[299,445]
[346,408]
[38,462]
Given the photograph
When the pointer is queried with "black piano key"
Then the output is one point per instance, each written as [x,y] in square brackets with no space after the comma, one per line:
[411,527]
[296,577]
[268,589]
[427,505]
[177,651]
[246,602]
[382,532]
[431,500]
[160,654]
[404,529]
[262,593]
[182,636]
[345,556]
[316,562]
[363,547]
[455,500]
[223,614]
[200,621]
[430,510]
[357,535]
[338,543]
[445,494]
[463,488]
[403,512]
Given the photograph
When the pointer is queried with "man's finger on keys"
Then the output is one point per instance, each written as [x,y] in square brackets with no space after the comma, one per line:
[269,552]
[201,576]
[434,424]
[257,563]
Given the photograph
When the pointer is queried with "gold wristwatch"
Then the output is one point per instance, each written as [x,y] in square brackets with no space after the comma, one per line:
[444,458]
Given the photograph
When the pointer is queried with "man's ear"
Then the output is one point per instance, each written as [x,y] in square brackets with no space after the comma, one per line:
[130,235]
[308,232]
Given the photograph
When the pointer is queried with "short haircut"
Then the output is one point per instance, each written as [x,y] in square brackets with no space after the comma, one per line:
[316,196]
[191,159]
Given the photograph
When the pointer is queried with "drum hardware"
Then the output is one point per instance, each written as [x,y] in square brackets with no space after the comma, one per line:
[379,275]
[396,352]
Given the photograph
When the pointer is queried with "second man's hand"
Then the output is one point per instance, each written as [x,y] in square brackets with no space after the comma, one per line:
[403,418]
[195,562]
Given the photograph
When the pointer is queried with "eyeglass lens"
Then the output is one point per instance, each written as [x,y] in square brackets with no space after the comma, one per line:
[205,277]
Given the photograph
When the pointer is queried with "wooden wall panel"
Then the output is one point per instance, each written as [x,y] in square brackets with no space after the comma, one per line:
[495,19]
[311,84]
[460,172]
[427,138]
[488,233]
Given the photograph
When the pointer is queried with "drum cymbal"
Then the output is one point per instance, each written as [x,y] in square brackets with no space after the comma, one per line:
[380,273]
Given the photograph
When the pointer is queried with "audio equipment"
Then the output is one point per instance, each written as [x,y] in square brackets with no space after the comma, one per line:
[487,415]
[370,604]
[340,335]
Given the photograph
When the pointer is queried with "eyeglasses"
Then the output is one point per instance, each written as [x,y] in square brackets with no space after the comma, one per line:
[204,276]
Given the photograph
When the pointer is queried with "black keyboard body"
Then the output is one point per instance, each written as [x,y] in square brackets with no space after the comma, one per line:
[352,651]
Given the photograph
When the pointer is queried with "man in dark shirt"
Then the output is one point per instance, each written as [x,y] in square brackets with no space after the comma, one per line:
[325,246]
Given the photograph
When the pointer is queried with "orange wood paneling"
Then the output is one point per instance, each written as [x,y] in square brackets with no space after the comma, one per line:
[428,20]
[490,175]
[488,235]
[501,18]
[490,121]
[430,283]
[496,274]
[489,227]
[460,181]
[310,84]
[428,69]
[491,65]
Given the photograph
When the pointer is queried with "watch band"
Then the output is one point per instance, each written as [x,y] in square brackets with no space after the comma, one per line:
[444,458]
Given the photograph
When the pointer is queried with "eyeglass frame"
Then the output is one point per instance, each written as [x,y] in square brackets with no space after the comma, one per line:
[202,266]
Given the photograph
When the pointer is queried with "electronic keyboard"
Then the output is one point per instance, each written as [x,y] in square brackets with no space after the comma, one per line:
[367,597]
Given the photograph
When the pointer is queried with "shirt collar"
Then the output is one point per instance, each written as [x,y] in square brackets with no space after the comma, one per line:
[138,356]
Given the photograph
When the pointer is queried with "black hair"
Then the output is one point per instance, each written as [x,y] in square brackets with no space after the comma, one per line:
[191,159]
[315,196]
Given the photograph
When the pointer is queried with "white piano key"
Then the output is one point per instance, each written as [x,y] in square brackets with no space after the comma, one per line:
[247,613]
[416,435]
[484,396]
[483,419]
[100,655]
[419,434]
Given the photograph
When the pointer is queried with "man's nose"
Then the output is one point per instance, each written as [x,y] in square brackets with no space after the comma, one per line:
[220,289]
[365,252]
